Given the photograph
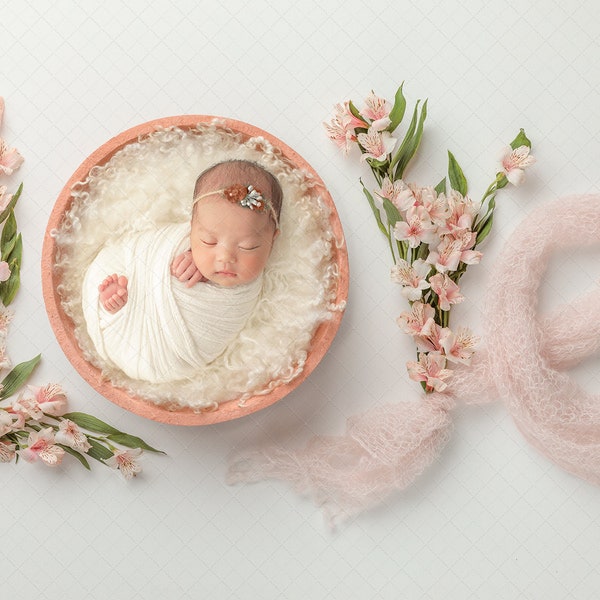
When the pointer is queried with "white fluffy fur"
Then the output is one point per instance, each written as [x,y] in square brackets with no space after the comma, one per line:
[149,183]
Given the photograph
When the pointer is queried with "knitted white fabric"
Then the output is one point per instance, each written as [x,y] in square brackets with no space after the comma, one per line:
[166,331]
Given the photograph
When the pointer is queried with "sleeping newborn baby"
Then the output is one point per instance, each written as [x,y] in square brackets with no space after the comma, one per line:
[171,300]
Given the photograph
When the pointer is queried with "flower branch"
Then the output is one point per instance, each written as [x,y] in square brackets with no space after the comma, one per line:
[34,422]
[432,231]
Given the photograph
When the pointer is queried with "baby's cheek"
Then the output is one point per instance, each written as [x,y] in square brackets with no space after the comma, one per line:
[200,259]
[252,266]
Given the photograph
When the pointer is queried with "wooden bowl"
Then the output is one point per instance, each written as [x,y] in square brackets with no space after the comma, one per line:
[63,325]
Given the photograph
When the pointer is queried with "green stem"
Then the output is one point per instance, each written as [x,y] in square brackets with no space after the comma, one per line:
[389,239]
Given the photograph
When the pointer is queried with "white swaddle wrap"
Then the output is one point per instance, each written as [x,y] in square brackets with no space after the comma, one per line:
[166,331]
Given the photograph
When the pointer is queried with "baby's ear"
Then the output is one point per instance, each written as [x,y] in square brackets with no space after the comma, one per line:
[276,233]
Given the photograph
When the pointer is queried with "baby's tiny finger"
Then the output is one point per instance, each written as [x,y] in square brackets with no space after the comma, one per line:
[195,278]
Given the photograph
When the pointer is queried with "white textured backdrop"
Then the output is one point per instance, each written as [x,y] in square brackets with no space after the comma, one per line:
[492,519]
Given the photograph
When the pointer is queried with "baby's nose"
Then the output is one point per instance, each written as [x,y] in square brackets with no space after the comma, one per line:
[226,255]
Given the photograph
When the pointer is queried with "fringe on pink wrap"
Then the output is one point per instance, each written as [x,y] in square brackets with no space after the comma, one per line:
[387,447]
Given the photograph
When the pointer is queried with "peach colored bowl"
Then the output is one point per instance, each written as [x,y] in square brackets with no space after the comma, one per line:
[63,326]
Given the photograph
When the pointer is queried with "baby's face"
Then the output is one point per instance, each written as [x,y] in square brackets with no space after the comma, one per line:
[230,244]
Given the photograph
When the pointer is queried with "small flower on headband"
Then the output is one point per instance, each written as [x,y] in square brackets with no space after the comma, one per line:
[246,196]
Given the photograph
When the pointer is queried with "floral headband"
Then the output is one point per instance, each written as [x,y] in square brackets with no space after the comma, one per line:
[246,196]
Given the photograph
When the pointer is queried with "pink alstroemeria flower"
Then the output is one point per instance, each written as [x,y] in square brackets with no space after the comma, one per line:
[412,278]
[451,252]
[417,228]
[460,346]
[431,370]
[26,407]
[7,452]
[41,445]
[6,422]
[70,435]
[462,213]
[51,399]
[4,198]
[514,162]
[398,193]
[466,239]
[342,126]
[125,461]
[377,144]
[377,109]
[4,270]
[10,159]
[429,340]
[436,205]
[5,361]
[414,321]
[448,292]
[6,316]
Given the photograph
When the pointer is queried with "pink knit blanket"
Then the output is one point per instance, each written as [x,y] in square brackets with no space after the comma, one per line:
[524,362]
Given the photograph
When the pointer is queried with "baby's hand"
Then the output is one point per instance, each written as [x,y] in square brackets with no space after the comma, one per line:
[184,268]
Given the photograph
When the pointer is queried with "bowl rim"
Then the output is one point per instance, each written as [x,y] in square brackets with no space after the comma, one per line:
[62,325]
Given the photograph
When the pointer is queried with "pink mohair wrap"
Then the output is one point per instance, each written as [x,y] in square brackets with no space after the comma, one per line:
[523,362]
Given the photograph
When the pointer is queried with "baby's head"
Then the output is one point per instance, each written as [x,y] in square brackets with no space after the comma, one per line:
[235,221]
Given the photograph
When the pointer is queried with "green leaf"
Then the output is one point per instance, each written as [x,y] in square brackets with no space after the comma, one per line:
[483,226]
[10,287]
[12,253]
[457,178]
[91,423]
[379,165]
[9,208]
[397,112]
[18,376]
[98,451]
[520,140]
[423,252]
[354,110]
[16,253]
[76,454]
[9,234]
[411,141]
[402,249]
[440,188]
[375,210]
[501,181]
[392,213]
[407,137]
[131,441]
[486,227]
[8,247]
